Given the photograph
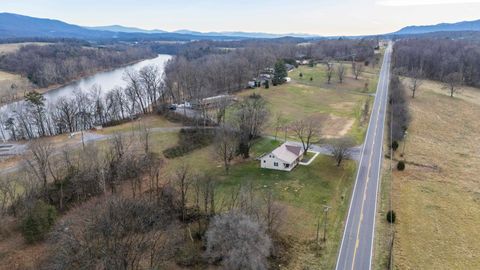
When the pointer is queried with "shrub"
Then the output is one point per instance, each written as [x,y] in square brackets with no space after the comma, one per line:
[401,166]
[391,216]
[38,221]
[238,242]
[394,146]
[189,140]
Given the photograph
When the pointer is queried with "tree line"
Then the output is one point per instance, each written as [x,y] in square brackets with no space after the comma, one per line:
[63,62]
[450,61]
[35,117]
[342,49]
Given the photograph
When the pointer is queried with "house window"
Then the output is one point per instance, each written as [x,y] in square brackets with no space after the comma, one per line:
[264,161]
[286,165]
[275,164]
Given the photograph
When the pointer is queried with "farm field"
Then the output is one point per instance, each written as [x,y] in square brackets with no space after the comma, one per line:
[437,197]
[340,109]
[7,79]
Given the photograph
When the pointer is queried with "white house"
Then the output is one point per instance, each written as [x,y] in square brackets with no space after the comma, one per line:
[283,158]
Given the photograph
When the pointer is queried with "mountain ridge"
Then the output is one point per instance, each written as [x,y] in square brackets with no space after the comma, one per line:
[441,27]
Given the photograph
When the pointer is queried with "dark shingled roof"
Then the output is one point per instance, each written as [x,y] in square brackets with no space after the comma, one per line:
[294,149]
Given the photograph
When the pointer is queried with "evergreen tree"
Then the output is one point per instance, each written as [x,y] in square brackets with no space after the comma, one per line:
[280,73]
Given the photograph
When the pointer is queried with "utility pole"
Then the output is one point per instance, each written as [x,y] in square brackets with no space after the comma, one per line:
[404,142]
[83,141]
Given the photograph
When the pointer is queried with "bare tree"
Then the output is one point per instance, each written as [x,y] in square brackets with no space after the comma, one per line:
[357,69]
[182,183]
[452,82]
[227,241]
[249,117]
[273,212]
[340,72]
[341,149]
[415,81]
[329,72]
[120,234]
[226,144]
[145,140]
[279,123]
[305,131]
[39,162]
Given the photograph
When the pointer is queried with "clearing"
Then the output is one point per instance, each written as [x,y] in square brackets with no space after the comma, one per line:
[340,109]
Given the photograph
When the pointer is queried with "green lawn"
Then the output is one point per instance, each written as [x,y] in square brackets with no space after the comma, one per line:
[302,192]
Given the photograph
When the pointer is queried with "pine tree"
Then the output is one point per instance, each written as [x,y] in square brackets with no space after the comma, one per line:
[280,73]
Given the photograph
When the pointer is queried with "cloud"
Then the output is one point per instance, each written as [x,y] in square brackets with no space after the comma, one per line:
[401,3]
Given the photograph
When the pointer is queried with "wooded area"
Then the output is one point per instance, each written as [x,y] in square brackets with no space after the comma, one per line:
[438,59]
[63,62]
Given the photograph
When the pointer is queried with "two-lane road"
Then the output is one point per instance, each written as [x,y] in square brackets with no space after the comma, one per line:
[356,249]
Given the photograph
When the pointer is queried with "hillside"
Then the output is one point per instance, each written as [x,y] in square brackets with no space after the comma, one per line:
[124,29]
[15,26]
[442,27]
[20,26]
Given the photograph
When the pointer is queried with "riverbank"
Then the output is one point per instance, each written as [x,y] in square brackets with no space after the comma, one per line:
[20,93]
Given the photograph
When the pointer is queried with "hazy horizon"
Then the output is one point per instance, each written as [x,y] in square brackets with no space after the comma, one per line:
[327,18]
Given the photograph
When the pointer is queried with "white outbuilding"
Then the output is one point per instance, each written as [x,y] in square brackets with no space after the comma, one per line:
[283,158]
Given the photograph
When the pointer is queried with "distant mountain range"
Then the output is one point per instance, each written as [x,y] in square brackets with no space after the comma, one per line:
[120,28]
[124,29]
[442,27]
[20,26]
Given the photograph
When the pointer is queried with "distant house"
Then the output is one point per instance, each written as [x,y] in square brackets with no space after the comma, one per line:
[212,101]
[283,158]
[289,67]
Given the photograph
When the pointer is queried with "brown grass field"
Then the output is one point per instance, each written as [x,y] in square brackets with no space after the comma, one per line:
[7,79]
[437,200]
[336,107]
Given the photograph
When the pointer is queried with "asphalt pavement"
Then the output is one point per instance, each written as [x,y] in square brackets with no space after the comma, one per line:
[356,249]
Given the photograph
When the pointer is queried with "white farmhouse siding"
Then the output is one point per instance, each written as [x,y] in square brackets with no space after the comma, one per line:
[283,158]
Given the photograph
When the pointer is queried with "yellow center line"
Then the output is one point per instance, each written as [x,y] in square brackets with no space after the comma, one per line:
[365,189]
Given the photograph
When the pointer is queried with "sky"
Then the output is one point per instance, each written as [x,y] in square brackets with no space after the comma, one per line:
[321,17]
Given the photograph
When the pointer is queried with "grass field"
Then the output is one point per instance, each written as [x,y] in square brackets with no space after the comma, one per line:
[13,47]
[6,78]
[145,121]
[318,74]
[302,192]
[437,200]
[338,112]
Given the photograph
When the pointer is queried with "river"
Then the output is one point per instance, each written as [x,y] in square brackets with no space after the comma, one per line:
[106,81]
